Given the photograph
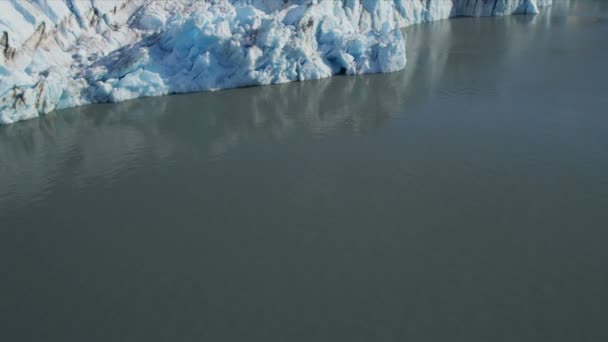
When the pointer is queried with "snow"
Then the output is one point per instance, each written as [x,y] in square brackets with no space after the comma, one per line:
[63,53]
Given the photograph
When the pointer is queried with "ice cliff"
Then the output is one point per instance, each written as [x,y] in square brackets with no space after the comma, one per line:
[61,53]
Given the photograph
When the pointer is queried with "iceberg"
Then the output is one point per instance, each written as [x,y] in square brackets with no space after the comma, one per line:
[63,53]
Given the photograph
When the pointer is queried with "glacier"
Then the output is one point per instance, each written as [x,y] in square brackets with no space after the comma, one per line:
[63,53]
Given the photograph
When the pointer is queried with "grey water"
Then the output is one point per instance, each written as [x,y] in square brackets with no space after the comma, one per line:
[462,199]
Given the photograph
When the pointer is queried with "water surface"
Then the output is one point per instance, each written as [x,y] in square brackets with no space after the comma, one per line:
[463,199]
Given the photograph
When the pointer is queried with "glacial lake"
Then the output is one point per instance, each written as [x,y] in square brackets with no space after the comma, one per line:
[463,199]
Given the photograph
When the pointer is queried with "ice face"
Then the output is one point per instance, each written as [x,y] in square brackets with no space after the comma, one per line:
[63,53]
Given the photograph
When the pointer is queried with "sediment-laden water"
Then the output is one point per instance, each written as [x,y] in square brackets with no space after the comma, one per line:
[463,199]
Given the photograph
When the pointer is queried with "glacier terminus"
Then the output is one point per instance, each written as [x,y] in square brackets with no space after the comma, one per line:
[62,53]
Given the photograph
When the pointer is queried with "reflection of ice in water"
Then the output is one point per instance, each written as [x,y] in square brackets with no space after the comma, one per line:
[102,140]
[105,139]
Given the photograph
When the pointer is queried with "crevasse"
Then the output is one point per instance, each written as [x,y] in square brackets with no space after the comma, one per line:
[62,53]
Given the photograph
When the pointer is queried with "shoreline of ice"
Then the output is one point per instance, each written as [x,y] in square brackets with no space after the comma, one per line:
[59,54]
